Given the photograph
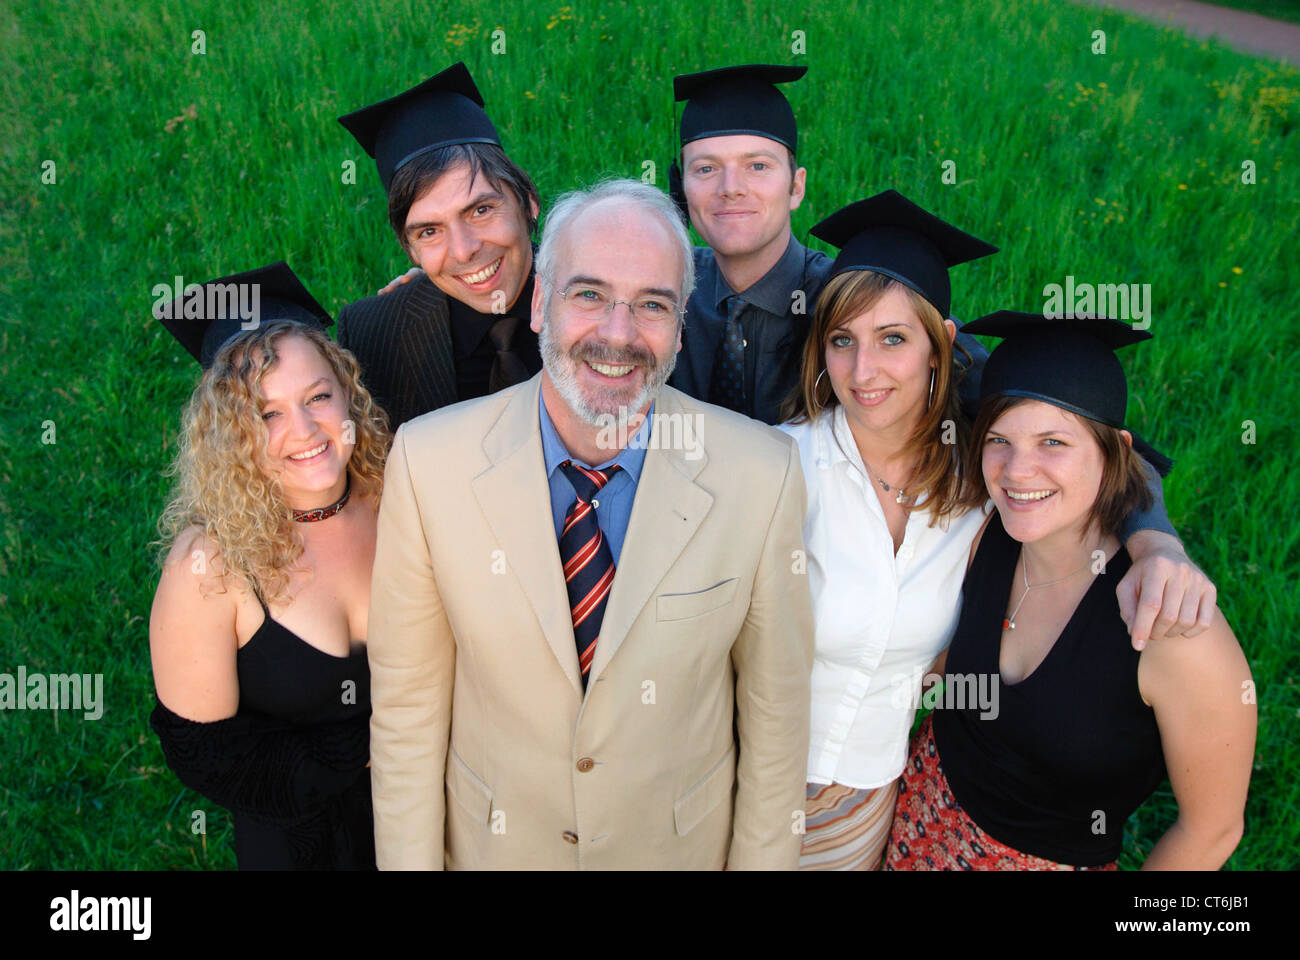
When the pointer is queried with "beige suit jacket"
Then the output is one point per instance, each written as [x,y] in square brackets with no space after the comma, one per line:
[688,749]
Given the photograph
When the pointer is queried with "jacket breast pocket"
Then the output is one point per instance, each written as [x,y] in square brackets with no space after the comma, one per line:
[701,799]
[683,606]
[470,793]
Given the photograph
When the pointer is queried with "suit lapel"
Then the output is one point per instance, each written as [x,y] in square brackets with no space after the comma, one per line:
[427,342]
[669,507]
[515,497]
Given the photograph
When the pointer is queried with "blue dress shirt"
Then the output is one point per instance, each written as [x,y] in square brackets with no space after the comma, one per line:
[614,502]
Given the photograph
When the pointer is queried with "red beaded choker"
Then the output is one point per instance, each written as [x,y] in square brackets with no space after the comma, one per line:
[324,513]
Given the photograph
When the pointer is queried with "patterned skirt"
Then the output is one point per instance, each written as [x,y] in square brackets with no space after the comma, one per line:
[846,828]
[932,832]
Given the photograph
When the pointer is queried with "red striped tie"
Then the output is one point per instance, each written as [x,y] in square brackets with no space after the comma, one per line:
[588,562]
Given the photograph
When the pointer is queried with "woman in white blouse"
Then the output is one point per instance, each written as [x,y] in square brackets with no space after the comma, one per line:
[879,430]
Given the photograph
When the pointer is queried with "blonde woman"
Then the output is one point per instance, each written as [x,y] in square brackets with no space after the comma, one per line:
[888,527]
[257,634]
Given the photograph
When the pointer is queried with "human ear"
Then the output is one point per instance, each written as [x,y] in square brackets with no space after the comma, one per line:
[539,298]
[797,187]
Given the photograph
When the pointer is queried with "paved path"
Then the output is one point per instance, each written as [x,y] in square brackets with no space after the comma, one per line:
[1247,32]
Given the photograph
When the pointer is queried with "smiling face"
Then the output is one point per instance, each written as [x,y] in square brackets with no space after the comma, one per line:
[304,410]
[609,364]
[1043,469]
[879,364]
[471,238]
[741,191]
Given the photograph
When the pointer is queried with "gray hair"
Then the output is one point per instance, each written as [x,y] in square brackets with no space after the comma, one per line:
[632,192]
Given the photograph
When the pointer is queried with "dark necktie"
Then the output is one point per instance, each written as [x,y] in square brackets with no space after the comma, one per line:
[727,386]
[588,561]
[507,368]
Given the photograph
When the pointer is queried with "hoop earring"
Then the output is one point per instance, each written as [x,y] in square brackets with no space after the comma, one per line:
[817,382]
[930,402]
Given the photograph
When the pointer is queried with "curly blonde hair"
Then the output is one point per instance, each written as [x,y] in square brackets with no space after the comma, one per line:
[220,486]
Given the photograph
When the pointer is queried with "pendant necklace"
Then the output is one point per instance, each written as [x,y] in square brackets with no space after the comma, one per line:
[1009,623]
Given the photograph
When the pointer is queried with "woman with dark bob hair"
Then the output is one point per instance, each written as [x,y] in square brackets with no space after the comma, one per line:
[1081,727]
[258,628]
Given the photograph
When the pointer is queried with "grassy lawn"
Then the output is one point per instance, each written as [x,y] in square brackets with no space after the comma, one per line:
[1122,167]
[1288,10]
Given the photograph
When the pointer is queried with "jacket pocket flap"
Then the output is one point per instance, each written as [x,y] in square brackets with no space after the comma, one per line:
[681,606]
[473,795]
[698,802]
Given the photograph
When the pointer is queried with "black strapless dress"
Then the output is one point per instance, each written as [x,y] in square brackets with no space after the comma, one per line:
[291,764]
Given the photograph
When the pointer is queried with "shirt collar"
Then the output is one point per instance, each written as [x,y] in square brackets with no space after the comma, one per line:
[630,459]
[835,446]
[772,291]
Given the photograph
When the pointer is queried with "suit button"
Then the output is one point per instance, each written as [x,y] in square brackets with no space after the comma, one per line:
[585,764]
[569,836]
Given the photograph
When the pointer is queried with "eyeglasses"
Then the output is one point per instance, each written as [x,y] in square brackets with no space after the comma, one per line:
[592,303]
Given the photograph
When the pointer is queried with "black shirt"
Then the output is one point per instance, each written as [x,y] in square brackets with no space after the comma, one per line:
[473,351]
[774,321]
[1071,750]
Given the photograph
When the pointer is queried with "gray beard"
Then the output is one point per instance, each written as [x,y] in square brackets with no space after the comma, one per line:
[562,368]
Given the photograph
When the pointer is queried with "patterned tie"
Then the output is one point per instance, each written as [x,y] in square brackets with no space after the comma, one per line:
[588,562]
[727,386]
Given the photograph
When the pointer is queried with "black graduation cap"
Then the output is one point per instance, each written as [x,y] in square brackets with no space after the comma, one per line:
[205,316]
[737,100]
[890,234]
[1069,362]
[444,110]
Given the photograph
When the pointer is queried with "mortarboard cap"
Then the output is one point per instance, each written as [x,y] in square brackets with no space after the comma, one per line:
[890,234]
[204,316]
[1069,362]
[738,100]
[444,110]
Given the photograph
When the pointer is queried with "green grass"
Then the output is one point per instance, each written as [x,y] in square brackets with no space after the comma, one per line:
[1288,10]
[1123,167]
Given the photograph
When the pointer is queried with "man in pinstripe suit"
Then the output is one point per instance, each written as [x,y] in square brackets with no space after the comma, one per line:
[464,212]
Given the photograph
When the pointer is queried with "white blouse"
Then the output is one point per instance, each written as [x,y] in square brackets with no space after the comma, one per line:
[881,618]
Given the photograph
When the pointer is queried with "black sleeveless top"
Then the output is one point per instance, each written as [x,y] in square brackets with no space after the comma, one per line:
[1072,750]
[286,679]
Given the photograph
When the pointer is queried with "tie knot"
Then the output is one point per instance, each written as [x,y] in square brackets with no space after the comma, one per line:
[586,481]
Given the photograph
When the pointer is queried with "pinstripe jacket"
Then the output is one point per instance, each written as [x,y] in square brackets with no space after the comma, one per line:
[403,342]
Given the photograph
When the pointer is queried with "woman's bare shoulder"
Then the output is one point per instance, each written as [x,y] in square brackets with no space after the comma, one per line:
[192,640]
